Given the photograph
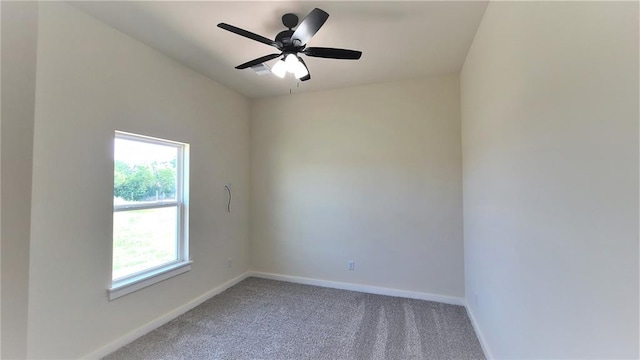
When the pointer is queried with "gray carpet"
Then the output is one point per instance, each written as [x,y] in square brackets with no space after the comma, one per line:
[266,319]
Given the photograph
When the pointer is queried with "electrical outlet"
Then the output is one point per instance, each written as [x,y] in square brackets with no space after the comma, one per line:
[230,262]
[351,265]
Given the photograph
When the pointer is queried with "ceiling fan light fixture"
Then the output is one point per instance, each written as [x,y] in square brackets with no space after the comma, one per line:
[292,62]
[300,70]
[279,69]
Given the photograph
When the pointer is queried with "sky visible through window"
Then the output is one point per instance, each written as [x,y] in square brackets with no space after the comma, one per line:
[139,152]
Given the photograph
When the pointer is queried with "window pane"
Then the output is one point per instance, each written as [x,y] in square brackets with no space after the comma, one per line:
[144,172]
[143,239]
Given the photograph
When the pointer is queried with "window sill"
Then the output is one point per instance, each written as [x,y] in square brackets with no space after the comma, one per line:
[124,287]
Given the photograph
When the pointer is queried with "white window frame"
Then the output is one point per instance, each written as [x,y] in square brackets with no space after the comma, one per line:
[133,282]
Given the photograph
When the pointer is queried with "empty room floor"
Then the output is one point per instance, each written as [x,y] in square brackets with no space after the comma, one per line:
[267,319]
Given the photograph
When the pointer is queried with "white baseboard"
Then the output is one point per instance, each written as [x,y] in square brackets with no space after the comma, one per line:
[479,334]
[152,325]
[362,288]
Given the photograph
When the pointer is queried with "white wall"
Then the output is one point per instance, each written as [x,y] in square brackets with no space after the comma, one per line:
[370,174]
[550,155]
[92,80]
[19,40]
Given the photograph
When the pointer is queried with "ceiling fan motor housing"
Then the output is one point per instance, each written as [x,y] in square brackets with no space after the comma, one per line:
[284,37]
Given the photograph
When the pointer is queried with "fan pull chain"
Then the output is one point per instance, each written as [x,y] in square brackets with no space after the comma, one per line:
[297,86]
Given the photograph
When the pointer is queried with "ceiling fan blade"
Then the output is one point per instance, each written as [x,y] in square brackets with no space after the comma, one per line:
[308,76]
[249,34]
[332,53]
[310,26]
[257,61]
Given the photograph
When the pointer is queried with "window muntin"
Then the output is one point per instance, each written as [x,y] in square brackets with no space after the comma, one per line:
[149,208]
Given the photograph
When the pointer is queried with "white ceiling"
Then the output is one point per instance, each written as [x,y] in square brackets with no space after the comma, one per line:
[399,40]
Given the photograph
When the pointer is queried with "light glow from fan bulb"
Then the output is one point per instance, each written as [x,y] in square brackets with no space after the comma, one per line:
[300,70]
[290,64]
[291,61]
[279,69]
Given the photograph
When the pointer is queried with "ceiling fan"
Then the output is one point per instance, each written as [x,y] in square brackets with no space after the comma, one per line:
[291,43]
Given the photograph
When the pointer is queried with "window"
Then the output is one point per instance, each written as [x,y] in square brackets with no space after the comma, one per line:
[150,212]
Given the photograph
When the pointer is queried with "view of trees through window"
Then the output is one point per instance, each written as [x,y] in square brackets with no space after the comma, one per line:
[145,182]
[144,172]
